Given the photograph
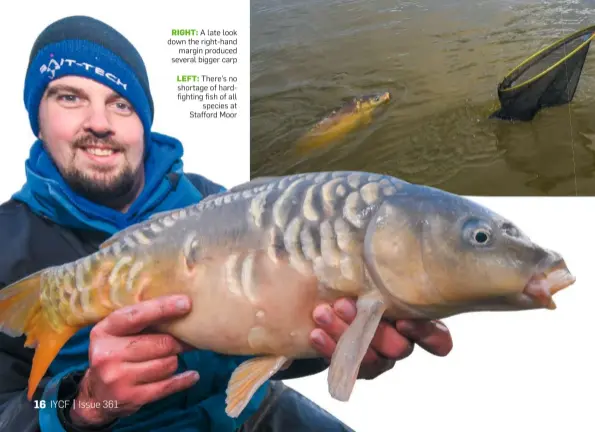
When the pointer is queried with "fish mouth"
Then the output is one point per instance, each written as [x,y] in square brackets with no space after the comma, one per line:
[544,285]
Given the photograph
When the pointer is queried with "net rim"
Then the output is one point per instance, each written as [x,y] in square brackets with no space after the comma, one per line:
[525,64]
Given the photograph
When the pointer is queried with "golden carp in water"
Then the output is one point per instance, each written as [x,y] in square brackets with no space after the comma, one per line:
[257,260]
[358,112]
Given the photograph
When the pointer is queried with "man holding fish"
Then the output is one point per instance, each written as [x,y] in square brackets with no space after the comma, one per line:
[95,170]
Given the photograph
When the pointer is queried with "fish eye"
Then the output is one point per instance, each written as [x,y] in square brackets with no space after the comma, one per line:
[477,232]
[481,236]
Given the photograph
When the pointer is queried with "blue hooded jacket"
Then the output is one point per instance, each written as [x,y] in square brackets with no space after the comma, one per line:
[202,407]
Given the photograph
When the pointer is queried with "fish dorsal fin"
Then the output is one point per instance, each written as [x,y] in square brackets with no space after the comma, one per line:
[255,182]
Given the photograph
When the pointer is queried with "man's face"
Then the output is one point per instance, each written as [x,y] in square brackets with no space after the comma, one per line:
[95,138]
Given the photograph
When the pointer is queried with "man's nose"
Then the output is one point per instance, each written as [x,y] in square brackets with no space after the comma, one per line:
[98,121]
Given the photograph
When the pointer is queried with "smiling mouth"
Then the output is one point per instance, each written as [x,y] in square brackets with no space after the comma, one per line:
[99,151]
[543,286]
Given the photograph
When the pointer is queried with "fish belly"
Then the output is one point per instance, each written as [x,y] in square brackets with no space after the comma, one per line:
[249,304]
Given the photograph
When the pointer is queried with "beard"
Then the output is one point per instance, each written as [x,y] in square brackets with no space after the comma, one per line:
[103,188]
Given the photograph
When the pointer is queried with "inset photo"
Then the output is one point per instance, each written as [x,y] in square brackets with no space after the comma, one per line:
[490,99]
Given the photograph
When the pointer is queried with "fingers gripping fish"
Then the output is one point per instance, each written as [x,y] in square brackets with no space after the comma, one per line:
[259,258]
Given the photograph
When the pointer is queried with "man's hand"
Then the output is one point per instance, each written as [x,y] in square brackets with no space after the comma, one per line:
[128,370]
[390,343]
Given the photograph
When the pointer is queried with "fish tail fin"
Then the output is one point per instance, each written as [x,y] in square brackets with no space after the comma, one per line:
[19,302]
[21,313]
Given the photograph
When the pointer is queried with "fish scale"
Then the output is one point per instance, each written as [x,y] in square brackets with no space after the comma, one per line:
[320,215]
[316,249]
[84,280]
[256,260]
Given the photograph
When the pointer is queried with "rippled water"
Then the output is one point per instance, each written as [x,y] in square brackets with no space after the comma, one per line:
[442,61]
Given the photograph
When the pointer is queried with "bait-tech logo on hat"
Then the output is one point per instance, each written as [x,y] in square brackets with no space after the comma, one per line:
[53,66]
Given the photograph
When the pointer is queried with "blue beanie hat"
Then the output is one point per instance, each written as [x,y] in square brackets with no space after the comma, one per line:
[84,46]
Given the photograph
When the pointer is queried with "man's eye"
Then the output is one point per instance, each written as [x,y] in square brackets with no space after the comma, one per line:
[123,106]
[67,98]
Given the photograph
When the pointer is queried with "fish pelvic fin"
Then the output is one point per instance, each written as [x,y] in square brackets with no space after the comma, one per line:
[21,313]
[248,378]
[353,344]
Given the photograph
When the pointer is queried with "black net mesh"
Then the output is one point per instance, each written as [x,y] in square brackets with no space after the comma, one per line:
[548,78]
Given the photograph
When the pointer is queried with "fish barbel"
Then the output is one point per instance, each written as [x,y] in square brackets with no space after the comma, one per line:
[258,259]
[358,112]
